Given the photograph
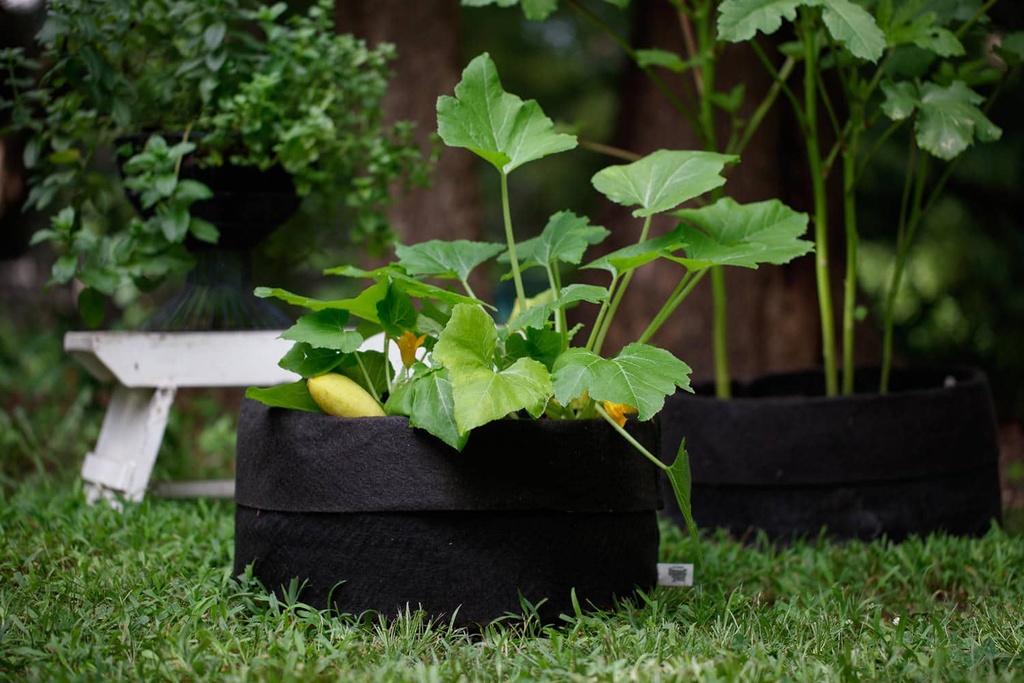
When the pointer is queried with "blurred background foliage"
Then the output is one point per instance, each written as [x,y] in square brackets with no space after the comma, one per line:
[963,301]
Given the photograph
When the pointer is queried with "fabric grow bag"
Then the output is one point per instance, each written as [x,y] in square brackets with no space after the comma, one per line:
[375,516]
[782,458]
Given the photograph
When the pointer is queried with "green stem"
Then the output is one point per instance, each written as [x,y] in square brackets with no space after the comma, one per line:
[510,239]
[660,84]
[852,241]
[682,290]
[719,334]
[909,221]
[810,117]
[615,299]
[682,495]
[366,375]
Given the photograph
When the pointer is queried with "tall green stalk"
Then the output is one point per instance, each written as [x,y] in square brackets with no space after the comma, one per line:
[815,166]
[852,242]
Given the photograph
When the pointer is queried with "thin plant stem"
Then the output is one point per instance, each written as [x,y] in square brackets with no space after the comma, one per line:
[852,242]
[366,376]
[682,290]
[510,239]
[910,214]
[822,273]
[658,82]
[719,335]
[615,299]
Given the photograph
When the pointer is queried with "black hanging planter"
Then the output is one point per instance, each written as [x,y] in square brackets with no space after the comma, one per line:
[374,516]
[781,458]
[247,205]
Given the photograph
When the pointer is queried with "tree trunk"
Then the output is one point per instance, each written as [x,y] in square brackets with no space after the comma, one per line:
[425,35]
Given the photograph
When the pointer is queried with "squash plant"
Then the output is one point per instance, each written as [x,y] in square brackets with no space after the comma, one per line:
[462,367]
[237,81]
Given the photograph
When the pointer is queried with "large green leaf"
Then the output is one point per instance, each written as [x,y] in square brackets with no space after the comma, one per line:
[325,329]
[467,348]
[950,120]
[496,125]
[641,375]
[428,402]
[445,258]
[293,395]
[565,238]
[662,180]
[636,255]
[728,233]
[363,306]
[740,20]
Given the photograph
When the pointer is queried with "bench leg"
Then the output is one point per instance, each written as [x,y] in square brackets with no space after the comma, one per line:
[129,441]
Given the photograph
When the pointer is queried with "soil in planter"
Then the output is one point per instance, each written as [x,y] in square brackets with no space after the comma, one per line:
[781,459]
[374,516]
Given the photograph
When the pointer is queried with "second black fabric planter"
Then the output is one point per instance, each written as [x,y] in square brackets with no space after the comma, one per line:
[781,458]
[375,516]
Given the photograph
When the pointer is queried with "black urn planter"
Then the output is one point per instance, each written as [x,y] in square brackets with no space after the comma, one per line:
[373,516]
[247,205]
[781,458]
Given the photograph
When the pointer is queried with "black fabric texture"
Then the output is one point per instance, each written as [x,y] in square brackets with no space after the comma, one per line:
[374,516]
[782,458]
[295,461]
[468,567]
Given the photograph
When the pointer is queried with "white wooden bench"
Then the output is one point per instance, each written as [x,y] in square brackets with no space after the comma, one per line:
[148,368]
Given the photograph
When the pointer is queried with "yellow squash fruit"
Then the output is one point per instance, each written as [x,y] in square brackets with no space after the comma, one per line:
[340,395]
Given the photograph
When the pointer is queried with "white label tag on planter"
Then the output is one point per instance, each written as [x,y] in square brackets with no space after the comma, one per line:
[675,574]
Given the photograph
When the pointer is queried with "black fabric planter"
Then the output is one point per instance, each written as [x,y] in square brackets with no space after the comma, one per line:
[781,458]
[375,516]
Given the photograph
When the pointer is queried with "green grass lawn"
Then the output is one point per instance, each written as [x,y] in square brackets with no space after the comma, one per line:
[87,593]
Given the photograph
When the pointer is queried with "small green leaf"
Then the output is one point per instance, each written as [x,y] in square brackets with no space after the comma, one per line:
[663,58]
[325,330]
[740,20]
[565,238]
[92,307]
[540,344]
[204,231]
[729,233]
[445,258]
[428,401]
[497,126]
[662,180]
[214,34]
[396,313]
[901,99]
[950,120]
[855,28]
[306,360]
[537,316]
[640,376]
[294,396]
[680,478]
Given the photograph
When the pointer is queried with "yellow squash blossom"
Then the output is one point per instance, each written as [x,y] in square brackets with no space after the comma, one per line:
[407,345]
[618,411]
